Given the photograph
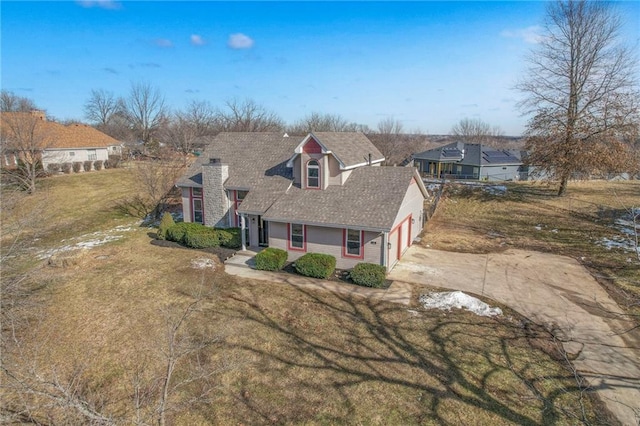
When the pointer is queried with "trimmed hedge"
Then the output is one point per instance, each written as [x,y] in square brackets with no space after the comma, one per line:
[230,237]
[165,223]
[87,165]
[77,166]
[271,259]
[316,265]
[98,164]
[67,167]
[178,231]
[195,235]
[368,275]
[201,238]
[53,167]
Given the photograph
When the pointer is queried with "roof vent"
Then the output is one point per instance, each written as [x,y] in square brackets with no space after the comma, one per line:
[214,161]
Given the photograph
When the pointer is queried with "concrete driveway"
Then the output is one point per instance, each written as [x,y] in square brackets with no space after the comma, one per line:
[555,291]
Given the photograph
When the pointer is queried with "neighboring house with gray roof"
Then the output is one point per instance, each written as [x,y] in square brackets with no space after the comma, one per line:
[459,160]
[322,193]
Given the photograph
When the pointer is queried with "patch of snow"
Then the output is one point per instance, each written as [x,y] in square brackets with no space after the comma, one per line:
[495,189]
[87,241]
[555,231]
[538,227]
[457,299]
[628,229]
[202,263]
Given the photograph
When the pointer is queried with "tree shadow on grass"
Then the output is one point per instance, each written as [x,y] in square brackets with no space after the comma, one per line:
[336,358]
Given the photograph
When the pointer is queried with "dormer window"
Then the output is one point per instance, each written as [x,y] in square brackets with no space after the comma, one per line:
[313,174]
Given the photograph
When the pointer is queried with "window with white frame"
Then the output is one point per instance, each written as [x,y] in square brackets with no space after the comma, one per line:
[353,242]
[313,174]
[92,155]
[296,236]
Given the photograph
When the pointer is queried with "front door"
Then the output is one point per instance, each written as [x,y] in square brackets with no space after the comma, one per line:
[263,232]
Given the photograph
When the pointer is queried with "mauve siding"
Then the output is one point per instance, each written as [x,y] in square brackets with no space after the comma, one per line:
[412,204]
[186,204]
[328,241]
[334,171]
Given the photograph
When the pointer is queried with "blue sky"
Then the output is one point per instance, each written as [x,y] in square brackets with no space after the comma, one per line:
[427,64]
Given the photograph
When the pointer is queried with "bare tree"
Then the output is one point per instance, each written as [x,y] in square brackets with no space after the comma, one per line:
[24,136]
[101,107]
[145,111]
[474,130]
[156,178]
[581,89]
[248,116]
[10,102]
[184,129]
[393,143]
[319,122]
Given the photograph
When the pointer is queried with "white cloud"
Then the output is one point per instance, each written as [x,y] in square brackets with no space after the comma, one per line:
[163,42]
[530,34]
[197,40]
[103,4]
[240,41]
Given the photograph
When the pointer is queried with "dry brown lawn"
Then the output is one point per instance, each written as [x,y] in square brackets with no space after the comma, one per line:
[279,354]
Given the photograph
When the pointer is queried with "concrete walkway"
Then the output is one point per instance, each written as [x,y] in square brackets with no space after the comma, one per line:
[242,264]
[554,291]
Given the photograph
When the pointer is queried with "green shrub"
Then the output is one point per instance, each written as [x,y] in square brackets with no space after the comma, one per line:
[230,237]
[178,231]
[368,274]
[316,265]
[165,223]
[271,259]
[204,237]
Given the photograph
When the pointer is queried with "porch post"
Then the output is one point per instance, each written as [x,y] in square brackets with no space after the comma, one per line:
[242,233]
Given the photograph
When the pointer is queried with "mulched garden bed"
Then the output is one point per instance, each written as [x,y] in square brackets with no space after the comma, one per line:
[339,275]
[222,253]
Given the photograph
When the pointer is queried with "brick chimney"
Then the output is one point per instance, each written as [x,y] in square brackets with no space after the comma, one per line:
[215,199]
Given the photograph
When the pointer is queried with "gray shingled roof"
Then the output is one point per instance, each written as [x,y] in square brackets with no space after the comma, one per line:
[264,194]
[474,154]
[370,198]
[250,157]
[350,148]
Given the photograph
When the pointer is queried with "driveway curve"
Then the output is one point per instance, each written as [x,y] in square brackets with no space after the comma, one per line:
[557,292]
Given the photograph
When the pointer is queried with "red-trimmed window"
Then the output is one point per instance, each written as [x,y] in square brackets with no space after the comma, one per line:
[197,209]
[353,243]
[297,237]
[238,197]
[313,174]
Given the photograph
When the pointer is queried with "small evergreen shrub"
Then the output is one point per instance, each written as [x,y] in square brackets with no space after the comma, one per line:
[271,259]
[204,237]
[368,275]
[230,237]
[165,223]
[77,166]
[316,265]
[87,166]
[178,231]
[53,168]
[97,164]
[67,167]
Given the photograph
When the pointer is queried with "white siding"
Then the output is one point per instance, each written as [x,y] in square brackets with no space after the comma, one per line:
[72,155]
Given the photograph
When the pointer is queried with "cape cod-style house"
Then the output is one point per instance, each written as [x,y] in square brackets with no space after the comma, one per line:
[321,193]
